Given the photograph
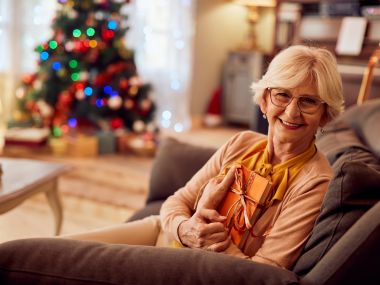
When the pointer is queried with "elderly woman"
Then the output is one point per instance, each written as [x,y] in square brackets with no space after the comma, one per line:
[300,92]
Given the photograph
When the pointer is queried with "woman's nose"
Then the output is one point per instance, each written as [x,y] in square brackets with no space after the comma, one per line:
[292,109]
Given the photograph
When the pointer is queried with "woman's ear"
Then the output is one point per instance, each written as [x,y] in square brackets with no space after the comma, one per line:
[324,119]
[264,102]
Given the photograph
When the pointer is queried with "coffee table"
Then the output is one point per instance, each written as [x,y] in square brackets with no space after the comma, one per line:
[23,178]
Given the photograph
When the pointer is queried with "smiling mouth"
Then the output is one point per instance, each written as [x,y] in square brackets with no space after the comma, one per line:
[290,125]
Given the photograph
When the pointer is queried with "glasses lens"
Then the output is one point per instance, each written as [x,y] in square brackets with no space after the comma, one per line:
[280,97]
[308,104]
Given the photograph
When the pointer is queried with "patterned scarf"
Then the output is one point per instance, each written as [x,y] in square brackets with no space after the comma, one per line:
[256,159]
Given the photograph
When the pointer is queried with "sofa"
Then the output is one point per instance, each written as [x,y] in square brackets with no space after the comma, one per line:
[344,247]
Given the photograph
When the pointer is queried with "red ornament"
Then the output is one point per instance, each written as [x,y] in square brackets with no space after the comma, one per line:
[107,34]
[29,78]
[102,79]
[116,123]
[123,83]
[79,86]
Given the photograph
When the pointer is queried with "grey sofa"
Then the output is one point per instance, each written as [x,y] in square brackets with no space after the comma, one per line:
[344,247]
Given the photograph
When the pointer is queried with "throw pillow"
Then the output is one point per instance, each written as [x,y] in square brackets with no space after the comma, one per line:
[338,137]
[175,163]
[353,190]
[364,119]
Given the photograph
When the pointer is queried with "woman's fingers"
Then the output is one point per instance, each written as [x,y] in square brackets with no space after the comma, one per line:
[210,215]
[220,246]
[216,190]
[229,178]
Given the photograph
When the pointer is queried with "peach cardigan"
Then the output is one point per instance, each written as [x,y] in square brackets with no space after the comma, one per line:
[283,229]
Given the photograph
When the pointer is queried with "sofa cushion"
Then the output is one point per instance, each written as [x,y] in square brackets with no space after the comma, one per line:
[354,259]
[354,188]
[339,138]
[364,119]
[60,261]
[175,163]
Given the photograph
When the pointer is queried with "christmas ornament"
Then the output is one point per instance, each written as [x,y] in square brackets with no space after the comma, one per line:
[115,102]
[138,126]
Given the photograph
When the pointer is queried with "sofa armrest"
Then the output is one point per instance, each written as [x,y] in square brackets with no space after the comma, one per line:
[64,261]
[354,259]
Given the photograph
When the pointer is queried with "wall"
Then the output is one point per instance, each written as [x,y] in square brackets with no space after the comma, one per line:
[220,27]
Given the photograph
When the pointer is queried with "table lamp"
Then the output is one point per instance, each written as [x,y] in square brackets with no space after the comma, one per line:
[253,16]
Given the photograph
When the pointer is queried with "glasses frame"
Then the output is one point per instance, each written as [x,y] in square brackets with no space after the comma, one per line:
[269,89]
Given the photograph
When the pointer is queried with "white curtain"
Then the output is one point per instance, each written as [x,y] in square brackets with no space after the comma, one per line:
[161,33]
[23,25]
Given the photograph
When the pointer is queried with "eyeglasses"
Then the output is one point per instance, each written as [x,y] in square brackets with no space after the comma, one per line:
[282,98]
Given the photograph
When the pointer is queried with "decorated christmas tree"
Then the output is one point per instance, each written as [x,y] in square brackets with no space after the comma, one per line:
[86,75]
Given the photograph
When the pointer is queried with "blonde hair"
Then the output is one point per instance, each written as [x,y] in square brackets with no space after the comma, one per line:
[298,65]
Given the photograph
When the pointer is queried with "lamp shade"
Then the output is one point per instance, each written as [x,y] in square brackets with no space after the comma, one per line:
[257,3]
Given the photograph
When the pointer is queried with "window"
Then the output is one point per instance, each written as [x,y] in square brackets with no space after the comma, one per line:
[161,33]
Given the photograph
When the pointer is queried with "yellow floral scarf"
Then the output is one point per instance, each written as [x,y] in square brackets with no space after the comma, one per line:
[280,174]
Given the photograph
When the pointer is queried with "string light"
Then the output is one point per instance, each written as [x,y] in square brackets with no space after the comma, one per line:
[40,48]
[77,33]
[90,32]
[56,65]
[53,44]
[44,55]
[72,122]
[75,76]
[107,89]
[99,103]
[178,128]
[109,34]
[65,129]
[166,115]
[112,25]
[88,91]
[57,132]
[73,63]
[93,43]
[79,86]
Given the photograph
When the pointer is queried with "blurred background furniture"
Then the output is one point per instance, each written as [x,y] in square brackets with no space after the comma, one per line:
[23,178]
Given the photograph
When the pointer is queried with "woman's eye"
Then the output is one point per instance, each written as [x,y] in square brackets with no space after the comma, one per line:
[282,95]
[309,101]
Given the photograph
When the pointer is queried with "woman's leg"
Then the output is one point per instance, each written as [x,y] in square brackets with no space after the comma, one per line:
[141,232]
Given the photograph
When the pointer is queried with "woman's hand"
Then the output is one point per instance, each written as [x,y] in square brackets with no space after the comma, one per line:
[215,190]
[205,229]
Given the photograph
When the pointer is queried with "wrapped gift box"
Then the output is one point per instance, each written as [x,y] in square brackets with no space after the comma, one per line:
[106,142]
[26,136]
[58,146]
[82,146]
[244,203]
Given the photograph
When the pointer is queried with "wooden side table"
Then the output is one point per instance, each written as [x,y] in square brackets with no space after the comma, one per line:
[23,178]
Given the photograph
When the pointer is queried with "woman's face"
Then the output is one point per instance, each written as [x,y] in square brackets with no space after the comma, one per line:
[290,125]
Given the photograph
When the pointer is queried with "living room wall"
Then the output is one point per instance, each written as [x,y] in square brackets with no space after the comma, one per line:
[221,27]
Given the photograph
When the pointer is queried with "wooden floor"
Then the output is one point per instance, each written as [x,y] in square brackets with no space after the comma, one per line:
[85,192]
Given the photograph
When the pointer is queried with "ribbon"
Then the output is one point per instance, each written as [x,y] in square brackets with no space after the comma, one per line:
[240,206]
